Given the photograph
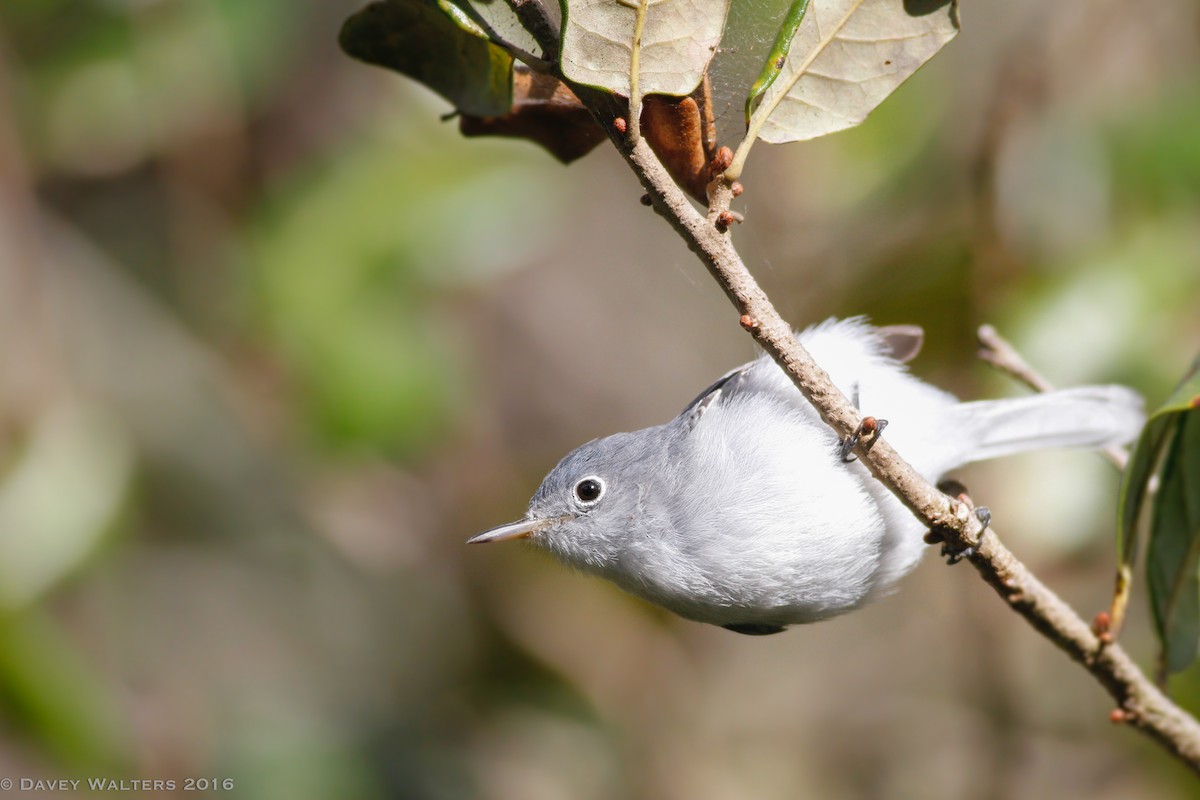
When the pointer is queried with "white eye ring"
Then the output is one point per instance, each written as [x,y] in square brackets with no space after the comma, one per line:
[589,491]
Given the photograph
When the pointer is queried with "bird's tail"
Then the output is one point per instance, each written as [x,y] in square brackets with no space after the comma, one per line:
[1087,416]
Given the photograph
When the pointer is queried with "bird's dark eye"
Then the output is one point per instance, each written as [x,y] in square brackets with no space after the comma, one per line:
[589,490]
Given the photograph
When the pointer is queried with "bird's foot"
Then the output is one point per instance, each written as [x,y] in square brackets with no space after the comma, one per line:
[954,554]
[867,432]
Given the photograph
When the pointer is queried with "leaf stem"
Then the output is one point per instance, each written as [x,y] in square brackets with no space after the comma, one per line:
[768,106]
[777,57]
[635,93]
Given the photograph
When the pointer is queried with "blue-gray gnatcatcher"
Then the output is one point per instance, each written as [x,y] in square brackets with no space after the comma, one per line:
[741,511]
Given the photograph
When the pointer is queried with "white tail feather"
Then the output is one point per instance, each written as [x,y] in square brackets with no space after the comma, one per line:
[1087,416]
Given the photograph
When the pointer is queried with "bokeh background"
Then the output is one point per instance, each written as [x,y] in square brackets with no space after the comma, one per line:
[274,341]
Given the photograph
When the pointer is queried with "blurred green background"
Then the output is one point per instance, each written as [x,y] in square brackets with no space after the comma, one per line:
[274,341]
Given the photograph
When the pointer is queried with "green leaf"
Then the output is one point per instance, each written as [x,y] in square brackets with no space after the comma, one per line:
[1173,556]
[778,55]
[436,43]
[1135,484]
[500,23]
[846,57]
[678,40]
[1169,451]
[1186,397]
[1147,456]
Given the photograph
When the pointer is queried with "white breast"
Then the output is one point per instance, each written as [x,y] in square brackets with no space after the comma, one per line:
[772,527]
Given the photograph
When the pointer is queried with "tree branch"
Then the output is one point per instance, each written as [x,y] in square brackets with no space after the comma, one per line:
[1139,702]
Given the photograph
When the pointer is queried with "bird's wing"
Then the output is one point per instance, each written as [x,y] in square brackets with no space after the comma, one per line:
[724,386]
[850,350]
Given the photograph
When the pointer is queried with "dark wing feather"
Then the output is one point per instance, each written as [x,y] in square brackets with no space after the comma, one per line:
[723,385]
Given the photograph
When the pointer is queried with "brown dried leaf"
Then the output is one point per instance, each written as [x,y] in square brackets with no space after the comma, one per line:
[682,133]
[544,111]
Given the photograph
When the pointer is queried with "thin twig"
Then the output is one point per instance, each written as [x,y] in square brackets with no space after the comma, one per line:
[995,350]
[1140,703]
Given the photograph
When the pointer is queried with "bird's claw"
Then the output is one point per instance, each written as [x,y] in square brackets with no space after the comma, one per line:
[953,553]
[867,432]
[984,515]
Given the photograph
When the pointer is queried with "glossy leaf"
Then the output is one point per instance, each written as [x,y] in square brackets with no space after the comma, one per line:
[678,40]
[1135,485]
[438,44]
[1173,556]
[846,58]
[1167,451]
[1146,457]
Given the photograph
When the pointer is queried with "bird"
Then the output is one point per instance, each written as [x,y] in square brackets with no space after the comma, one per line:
[744,512]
